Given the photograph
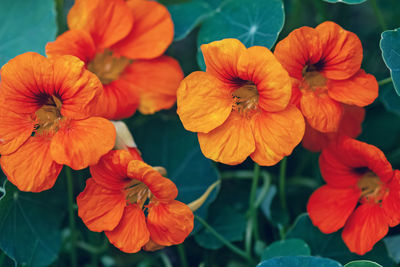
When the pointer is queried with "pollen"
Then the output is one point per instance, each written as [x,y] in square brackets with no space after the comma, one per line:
[372,188]
[313,80]
[245,98]
[107,66]
[48,116]
[137,192]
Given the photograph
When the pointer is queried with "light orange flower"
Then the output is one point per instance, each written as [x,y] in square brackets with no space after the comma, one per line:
[115,198]
[124,47]
[46,108]
[324,64]
[240,105]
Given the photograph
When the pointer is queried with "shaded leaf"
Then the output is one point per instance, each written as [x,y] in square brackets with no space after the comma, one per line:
[393,246]
[390,46]
[287,247]
[351,2]
[362,263]
[299,261]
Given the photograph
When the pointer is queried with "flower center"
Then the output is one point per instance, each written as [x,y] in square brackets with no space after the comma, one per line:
[137,192]
[372,188]
[107,67]
[313,80]
[245,98]
[48,116]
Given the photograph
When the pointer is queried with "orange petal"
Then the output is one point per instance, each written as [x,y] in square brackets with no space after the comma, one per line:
[162,188]
[79,144]
[222,57]
[119,100]
[204,103]
[366,226]
[152,246]
[231,143]
[156,81]
[342,51]
[77,87]
[169,223]
[276,134]
[329,207]
[131,234]
[31,167]
[391,204]
[258,65]
[111,171]
[114,23]
[73,42]
[15,129]
[300,48]
[151,34]
[99,208]
[361,89]
[322,112]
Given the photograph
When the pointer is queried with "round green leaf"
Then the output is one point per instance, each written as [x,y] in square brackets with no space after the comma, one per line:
[393,245]
[256,22]
[287,247]
[30,224]
[186,16]
[390,99]
[351,2]
[164,142]
[25,25]
[332,246]
[299,261]
[362,263]
[390,46]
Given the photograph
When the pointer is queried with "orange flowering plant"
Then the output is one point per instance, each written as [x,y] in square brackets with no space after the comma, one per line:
[199,133]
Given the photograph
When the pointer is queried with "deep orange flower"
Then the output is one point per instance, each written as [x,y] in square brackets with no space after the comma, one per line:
[350,125]
[46,108]
[361,194]
[123,46]
[240,105]
[115,198]
[324,64]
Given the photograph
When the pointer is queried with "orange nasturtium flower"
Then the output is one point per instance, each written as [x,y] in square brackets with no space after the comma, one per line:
[361,194]
[120,192]
[324,64]
[46,119]
[123,42]
[240,105]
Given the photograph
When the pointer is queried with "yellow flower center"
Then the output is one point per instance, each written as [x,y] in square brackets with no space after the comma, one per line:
[313,80]
[245,98]
[137,192]
[372,188]
[107,67]
[48,117]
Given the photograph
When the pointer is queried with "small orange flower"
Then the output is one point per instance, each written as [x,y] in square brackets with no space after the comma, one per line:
[240,105]
[115,198]
[46,108]
[350,125]
[124,48]
[324,64]
[361,194]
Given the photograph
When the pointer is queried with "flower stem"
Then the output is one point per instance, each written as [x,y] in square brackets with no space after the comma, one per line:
[182,255]
[252,220]
[70,186]
[378,14]
[165,260]
[223,240]
[282,184]
[385,81]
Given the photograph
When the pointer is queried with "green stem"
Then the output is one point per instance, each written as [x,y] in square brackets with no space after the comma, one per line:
[252,220]
[240,174]
[70,186]
[378,14]
[264,189]
[182,255]
[385,81]
[93,249]
[224,241]
[165,260]
[2,257]
[282,183]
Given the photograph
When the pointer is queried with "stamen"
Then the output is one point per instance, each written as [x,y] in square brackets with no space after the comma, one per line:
[137,192]
[48,117]
[246,98]
[372,188]
[313,80]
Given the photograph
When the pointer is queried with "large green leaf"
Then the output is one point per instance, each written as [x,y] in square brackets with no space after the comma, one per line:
[351,2]
[362,263]
[390,99]
[287,247]
[256,22]
[164,142]
[299,261]
[30,224]
[25,25]
[332,246]
[393,246]
[390,46]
